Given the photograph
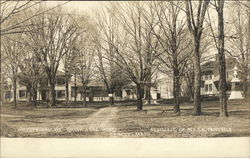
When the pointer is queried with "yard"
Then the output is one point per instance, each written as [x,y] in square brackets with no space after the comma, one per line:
[124,121]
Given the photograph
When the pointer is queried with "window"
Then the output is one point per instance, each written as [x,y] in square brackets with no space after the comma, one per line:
[210,87]
[60,81]
[8,95]
[202,84]
[210,77]
[128,91]
[22,93]
[206,77]
[206,88]
[60,94]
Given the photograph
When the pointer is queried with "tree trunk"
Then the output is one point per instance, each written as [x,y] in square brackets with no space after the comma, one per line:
[176,89]
[197,78]
[53,95]
[247,55]
[111,100]
[139,96]
[67,91]
[14,92]
[85,96]
[75,88]
[222,63]
[189,78]
[35,98]
[245,85]
[29,95]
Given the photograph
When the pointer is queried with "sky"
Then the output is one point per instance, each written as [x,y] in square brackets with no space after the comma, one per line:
[90,7]
[80,7]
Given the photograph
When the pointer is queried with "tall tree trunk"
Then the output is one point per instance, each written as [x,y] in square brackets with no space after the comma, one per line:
[111,98]
[222,63]
[139,96]
[75,89]
[197,78]
[35,98]
[1,80]
[245,85]
[176,89]
[53,94]
[67,91]
[191,86]
[29,95]
[247,53]
[85,96]
[14,92]
[195,25]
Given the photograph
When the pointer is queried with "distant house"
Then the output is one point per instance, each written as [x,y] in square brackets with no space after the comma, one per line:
[208,86]
[210,77]
[96,90]
[161,89]
[129,92]
[165,86]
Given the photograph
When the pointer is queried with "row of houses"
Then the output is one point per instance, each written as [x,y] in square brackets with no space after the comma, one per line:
[96,90]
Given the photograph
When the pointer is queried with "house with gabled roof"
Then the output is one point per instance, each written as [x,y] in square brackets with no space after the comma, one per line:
[210,76]
[96,90]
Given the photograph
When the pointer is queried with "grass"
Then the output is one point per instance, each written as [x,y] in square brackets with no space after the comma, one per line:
[159,121]
[12,120]
[153,121]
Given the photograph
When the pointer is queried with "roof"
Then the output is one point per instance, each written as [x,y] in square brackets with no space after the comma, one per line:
[213,66]
[96,83]
[61,73]
[92,83]
[208,67]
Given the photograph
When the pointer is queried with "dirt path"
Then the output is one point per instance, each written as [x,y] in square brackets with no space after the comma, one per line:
[102,121]
[103,118]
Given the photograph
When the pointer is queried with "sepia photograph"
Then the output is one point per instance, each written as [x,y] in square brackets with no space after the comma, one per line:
[125,69]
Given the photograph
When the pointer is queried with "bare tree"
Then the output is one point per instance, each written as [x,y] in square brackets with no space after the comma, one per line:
[173,38]
[15,16]
[220,45]
[85,54]
[195,25]
[222,63]
[30,74]
[69,62]
[52,38]
[240,42]
[132,49]
[13,54]
[108,27]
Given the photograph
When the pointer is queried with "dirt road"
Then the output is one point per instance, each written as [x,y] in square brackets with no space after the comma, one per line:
[103,119]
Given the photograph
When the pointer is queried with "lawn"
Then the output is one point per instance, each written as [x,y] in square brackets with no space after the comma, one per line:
[159,121]
[125,121]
